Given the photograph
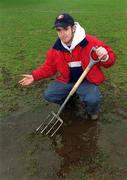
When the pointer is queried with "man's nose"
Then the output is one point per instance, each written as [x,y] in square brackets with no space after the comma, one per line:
[62,33]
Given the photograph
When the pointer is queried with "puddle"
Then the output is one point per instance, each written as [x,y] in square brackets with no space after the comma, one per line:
[23,153]
[112,142]
[82,149]
[78,145]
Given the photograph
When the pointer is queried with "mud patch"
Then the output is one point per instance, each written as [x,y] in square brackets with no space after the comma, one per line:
[113,137]
[79,144]
[24,154]
[81,149]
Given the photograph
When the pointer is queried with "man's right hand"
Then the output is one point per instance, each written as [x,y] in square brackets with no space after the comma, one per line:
[27,80]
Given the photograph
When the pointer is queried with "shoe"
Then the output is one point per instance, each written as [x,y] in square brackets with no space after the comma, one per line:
[94,117]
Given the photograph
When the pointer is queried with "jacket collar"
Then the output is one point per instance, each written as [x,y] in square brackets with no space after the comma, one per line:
[58,45]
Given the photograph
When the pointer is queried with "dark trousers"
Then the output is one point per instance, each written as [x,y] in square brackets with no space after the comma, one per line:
[88,93]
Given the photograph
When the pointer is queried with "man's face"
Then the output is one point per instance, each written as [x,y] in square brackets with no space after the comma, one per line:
[65,34]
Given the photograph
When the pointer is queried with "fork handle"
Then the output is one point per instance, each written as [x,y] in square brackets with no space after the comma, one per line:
[77,84]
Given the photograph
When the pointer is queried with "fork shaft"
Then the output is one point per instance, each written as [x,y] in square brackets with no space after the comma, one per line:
[63,105]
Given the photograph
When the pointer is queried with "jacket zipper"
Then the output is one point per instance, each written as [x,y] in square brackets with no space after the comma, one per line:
[71,55]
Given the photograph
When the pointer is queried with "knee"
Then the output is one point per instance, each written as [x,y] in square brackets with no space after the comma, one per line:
[47,96]
[52,97]
[93,100]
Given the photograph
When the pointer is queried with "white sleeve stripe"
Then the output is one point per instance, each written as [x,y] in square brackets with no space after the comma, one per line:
[75,64]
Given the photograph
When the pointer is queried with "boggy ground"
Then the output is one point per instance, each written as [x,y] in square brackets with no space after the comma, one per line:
[82,149]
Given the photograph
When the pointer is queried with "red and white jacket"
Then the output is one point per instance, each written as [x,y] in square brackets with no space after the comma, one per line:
[59,56]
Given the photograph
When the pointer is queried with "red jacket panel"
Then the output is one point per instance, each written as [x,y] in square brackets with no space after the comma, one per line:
[58,57]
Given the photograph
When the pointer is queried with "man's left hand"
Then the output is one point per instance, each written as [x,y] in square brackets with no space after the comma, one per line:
[102,53]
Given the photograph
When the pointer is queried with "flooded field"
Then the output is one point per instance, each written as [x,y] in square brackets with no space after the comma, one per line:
[80,150]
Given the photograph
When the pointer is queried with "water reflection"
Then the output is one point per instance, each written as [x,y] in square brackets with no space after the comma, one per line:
[78,139]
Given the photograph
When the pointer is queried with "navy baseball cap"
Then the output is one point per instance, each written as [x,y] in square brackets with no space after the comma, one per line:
[64,20]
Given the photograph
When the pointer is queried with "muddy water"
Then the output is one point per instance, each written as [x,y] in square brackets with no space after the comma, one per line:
[79,143]
[82,149]
[23,153]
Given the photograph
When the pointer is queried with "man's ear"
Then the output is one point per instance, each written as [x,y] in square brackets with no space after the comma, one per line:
[74,28]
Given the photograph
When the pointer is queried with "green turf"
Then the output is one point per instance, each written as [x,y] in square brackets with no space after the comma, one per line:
[26,34]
